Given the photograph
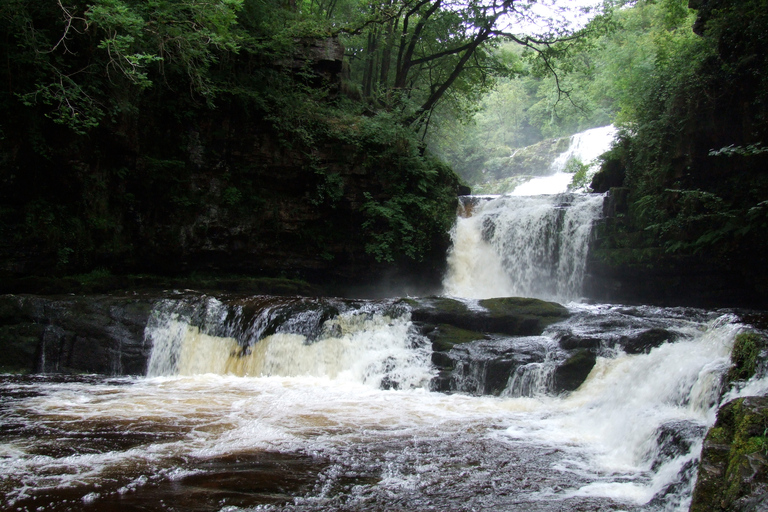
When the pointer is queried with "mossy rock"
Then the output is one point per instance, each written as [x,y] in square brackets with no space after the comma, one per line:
[514,316]
[733,472]
[444,337]
[574,371]
[745,356]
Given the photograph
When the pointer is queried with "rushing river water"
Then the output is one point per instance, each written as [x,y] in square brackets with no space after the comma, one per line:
[316,431]
[333,406]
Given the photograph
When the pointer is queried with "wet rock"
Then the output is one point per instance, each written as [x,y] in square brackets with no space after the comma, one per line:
[444,337]
[514,316]
[674,439]
[574,371]
[676,491]
[484,367]
[570,341]
[643,342]
[86,334]
[472,347]
[733,472]
[535,160]
[746,355]
[610,175]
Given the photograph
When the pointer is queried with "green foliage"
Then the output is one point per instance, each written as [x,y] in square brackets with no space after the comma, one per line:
[416,203]
[231,196]
[580,174]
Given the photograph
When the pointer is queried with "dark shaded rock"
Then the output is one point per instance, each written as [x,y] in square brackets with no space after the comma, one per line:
[674,439]
[509,315]
[95,334]
[468,347]
[643,342]
[733,472]
[574,371]
[445,336]
[486,366]
[610,175]
[570,341]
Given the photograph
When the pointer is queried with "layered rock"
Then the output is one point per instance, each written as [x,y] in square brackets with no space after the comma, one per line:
[84,334]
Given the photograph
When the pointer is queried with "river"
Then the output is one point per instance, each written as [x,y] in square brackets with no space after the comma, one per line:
[303,404]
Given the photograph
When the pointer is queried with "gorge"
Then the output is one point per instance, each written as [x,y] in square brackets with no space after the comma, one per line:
[236,273]
[196,401]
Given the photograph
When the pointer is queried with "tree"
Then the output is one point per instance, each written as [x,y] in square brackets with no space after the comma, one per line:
[409,55]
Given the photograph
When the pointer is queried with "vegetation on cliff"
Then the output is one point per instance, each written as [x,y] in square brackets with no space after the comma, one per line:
[692,150]
[236,135]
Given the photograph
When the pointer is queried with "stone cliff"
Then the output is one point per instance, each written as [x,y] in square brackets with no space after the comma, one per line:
[239,187]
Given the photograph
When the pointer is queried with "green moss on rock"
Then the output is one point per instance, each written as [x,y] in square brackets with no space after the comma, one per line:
[744,356]
[444,337]
[513,316]
[733,472]
[575,370]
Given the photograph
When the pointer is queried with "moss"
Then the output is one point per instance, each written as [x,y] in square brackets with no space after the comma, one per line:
[746,349]
[575,370]
[718,435]
[548,311]
[734,461]
[445,336]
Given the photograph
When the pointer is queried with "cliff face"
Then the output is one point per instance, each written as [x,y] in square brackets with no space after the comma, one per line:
[228,189]
[686,222]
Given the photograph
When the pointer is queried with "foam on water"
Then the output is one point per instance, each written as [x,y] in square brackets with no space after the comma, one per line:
[598,443]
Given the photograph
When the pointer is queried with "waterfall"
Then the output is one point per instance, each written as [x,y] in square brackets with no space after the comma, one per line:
[533,242]
[318,404]
[585,147]
[523,246]
[367,343]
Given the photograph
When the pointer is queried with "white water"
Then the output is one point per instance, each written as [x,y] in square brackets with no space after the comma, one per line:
[533,242]
[523,247]
[585,146]
[425,450]
[354,347]
[350,392]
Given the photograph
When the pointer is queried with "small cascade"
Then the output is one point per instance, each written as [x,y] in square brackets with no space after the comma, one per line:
[533,379]
[364,342]
[523,246]
[585,147]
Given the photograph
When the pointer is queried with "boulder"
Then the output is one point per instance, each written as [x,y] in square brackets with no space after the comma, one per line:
[644,341]
[574,371]
[733,472]
[516,316]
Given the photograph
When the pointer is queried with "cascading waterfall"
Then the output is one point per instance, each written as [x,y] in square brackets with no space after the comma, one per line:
[533,242]
[523,246]
[330,400]
[323,404]
[585,147]
[373,344]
